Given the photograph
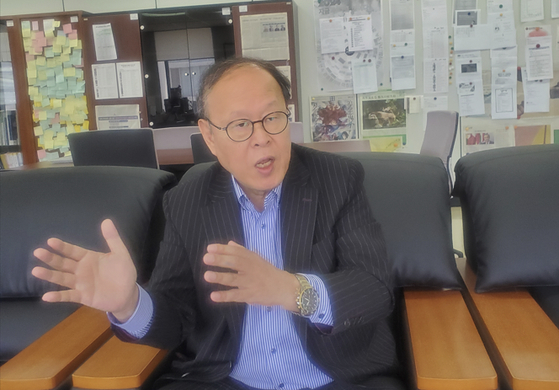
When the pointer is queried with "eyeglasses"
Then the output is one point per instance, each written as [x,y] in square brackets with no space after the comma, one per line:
[241,129]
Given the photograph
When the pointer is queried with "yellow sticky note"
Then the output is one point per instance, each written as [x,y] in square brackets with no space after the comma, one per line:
[66,50]
[65,57]
[41,61]
[42,115]
[77,118]
[49,33]
[56,23]
[85,125]
[57,49]
[32,73]
[56,103]
[79,44]
[38,130]
[37,103]
[73,43]
[70,72]
[42,75]
[32,64]
[60,40]
[51,63]
[32,91]
[26,32]
[77,128]
[27,43]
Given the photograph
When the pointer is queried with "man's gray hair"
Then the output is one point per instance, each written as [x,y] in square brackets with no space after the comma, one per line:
[218,70]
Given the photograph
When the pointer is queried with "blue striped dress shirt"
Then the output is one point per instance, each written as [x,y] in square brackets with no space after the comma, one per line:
[271,354]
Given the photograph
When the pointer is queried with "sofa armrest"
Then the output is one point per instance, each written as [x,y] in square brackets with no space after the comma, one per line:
[52,358]
[521,339]
[446,349]
[118,365]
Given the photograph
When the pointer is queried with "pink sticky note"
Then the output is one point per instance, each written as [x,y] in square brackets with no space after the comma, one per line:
[50,41]
[42,42]
[67,28]
[39,34]
[56,118]
[41,154]
[73,35]
[35,25]
[29,57]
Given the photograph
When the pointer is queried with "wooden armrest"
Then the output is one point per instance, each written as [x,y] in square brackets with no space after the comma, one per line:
[522,340]
[51,359]
[447,351]
[118,365]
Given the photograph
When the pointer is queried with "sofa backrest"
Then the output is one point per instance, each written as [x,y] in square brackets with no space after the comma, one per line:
[510,212]
[70,203]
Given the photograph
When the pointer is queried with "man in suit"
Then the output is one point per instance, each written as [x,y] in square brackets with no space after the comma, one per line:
[272,273]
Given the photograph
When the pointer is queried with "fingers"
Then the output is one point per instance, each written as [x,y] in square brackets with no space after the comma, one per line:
[66,249]
[224,278]
[227,256]
[55,261]
[115,243]
[62,296]
[64,279]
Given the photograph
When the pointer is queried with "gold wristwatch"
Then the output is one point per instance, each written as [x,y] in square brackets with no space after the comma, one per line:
[307,298]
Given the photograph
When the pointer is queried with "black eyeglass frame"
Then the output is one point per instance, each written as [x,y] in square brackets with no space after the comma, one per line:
[287,114]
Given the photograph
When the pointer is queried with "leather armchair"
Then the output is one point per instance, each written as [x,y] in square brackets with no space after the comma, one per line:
[439,341]
[41,343]
[510,212]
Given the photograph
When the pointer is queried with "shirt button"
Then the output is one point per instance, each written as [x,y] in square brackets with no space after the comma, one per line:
[263,226]
[274,350]
[281,385]
[268,309]
[321,316]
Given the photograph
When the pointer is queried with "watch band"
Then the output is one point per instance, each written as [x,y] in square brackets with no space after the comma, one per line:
[307,297]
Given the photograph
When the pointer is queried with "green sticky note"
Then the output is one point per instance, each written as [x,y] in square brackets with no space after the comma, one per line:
[49,53]
[51,82]
[59,78]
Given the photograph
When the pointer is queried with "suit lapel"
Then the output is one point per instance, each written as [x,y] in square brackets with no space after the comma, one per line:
[222,223]
[299,203]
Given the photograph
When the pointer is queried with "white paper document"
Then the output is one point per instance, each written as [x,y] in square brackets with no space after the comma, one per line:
[531,10]
[539,60]
[129,75]
[536,94]
[332,35]
[104,81]
[402,72]
[360,33]
[104,42]
[118,116]
[472,37]
[434,13]
[401,15]
[364,76]
[470,98]
[265,36]
[435,103]
[435,75]
[555,8]
[435,42]
[494,6]
[503,29]
[503,93]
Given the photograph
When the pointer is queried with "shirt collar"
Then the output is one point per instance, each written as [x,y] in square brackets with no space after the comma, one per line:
[272,198]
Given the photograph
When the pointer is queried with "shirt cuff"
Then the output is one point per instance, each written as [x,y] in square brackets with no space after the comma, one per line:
[140,321]
[323,315]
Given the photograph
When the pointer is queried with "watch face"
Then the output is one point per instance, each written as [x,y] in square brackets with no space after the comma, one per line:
[309,302]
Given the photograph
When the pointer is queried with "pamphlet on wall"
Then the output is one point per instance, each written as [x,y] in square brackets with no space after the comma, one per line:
[104,42]
[118,116]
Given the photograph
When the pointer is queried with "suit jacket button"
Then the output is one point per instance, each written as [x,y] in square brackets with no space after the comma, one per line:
[347,323]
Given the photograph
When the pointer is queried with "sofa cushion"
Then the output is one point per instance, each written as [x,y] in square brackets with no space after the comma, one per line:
[70,203]
[510,203]
[408,194]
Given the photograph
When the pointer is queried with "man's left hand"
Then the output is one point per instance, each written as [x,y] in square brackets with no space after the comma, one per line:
[256,282]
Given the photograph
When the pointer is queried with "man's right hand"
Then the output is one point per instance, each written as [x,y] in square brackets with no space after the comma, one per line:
[104,281]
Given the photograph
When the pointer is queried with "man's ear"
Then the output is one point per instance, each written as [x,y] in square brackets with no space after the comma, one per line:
[208,134]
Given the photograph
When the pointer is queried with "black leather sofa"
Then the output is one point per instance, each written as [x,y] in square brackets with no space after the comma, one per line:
[68,203]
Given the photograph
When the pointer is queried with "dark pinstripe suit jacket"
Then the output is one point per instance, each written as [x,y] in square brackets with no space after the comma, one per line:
[327,229]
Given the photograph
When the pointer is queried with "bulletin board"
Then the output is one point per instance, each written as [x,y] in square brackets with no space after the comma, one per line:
[420,61]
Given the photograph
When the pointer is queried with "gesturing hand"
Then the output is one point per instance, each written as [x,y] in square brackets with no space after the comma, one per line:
[256,281]
[104,281]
